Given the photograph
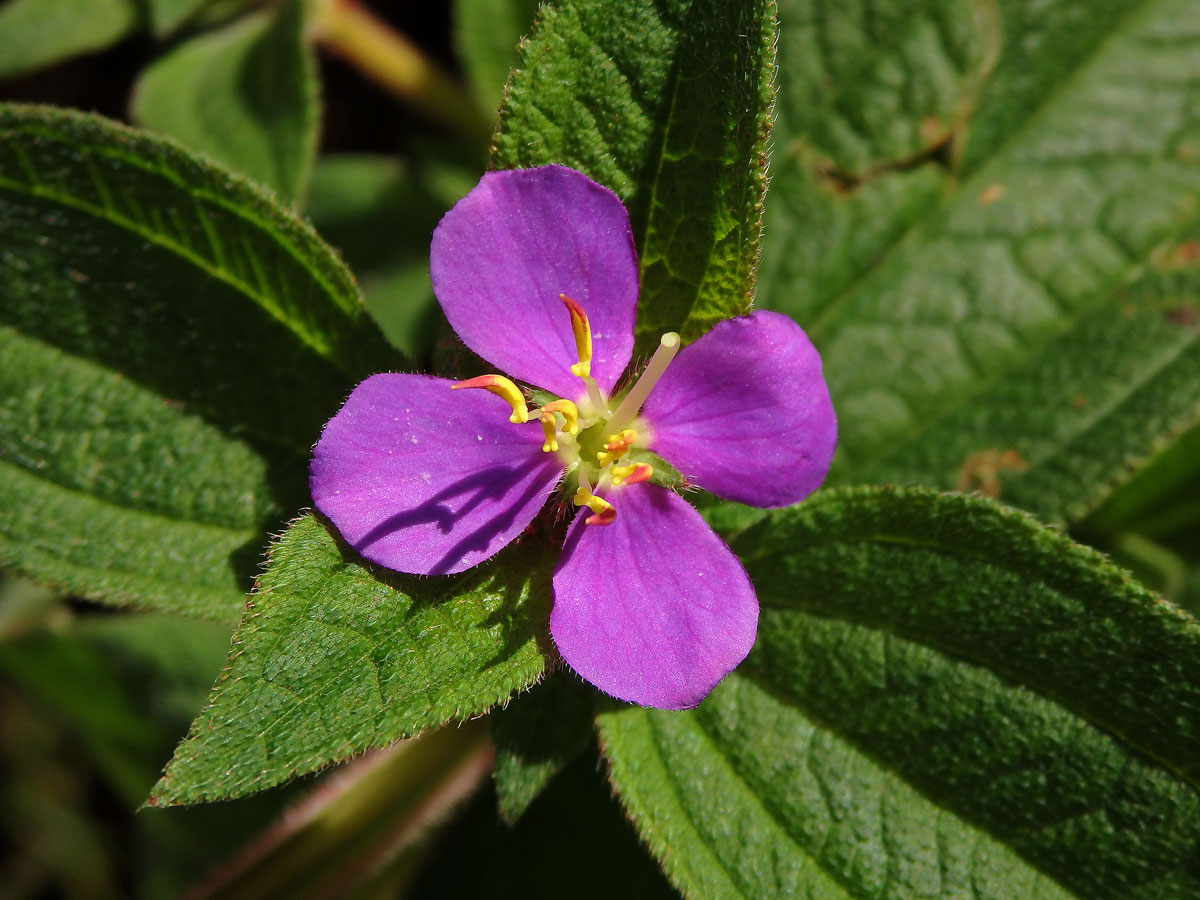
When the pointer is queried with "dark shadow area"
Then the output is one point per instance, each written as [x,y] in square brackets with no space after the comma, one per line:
[573,841]
[551,723]
[287,477]
[98,82]
[523,568]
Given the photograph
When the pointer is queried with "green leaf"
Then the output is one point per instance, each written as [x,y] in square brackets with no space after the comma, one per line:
[1152,523]
[120,684]
[171,342]
[1154,564]
[486,35]
[1086,410]
[667,103]
[246,94]
[1189,597]
[335,657]
[1024,322]
[866,103]
[1150,501]
[946,699]
[166,16]
[380,213]
[38,33]
[536,737]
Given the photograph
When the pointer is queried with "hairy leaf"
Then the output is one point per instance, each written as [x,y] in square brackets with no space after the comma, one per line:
[246,94]
[868,95]
[668,104]
[37,33]
[172,342]
[946,699]
[335,657]
[1023,322]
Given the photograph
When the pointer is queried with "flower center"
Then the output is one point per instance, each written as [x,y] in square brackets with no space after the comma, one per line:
[594,441]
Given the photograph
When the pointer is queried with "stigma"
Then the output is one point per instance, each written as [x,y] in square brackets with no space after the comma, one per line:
[603,512]
[502,388]
[582,330]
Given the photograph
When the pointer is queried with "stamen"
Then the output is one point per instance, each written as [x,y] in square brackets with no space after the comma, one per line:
[550,431]
[668,346]
[622,441]
[583,336]
[631,474]
[606,515]
[616,446]
[569,411]
[604,512]
[503,388]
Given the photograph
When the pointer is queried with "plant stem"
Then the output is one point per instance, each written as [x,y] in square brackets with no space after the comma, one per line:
[377,812]
[351,31]
[1164,570]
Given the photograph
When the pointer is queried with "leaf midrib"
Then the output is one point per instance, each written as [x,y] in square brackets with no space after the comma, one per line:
[819,723]
[1008,673]
[898,444]
[1037,111]
[36,188]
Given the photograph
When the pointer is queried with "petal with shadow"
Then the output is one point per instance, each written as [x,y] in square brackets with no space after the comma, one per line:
[425,481]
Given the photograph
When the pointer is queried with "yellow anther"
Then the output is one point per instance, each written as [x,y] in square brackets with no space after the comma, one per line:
[631,474]
[569,411]
[503,388]
[583,336]
[622,441]
[616,446]
[550,431]
[604,512]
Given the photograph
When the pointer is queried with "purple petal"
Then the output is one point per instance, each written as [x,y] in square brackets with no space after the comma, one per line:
[744,412]
[504,253]
[654,608]
[423,480]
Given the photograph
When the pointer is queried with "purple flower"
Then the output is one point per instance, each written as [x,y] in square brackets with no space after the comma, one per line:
[536,271]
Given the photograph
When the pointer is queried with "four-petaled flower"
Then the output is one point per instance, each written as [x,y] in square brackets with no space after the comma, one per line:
[536,271]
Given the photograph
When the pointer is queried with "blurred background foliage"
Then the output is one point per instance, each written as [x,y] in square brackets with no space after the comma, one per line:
[92,701]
